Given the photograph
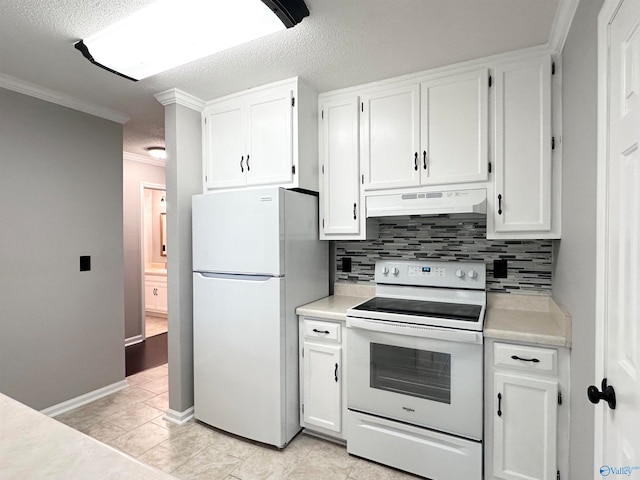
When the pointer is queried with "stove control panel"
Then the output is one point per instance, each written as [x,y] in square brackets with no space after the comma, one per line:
[432,273]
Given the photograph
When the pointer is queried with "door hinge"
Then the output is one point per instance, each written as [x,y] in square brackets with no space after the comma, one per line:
[293,169]
[559,398]
[489,167]
[205,120]
[322,227]
[303,347]
[362,106]
[553,143]
[323,169]
[490,81]
[322,114]
[303,408]
[558,475]
[363,179]
[293,101]
[553,68]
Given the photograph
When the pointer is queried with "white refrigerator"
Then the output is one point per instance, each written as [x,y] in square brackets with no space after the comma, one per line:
[256,257]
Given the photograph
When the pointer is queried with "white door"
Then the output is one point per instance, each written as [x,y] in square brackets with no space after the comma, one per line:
[391,138]
[238,362]
[224,149]
[340,172]
[617,439]
[454,124]
[525,427]
[322,386]
[270,139]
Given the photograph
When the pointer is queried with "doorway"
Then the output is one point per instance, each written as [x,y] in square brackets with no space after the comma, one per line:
[154,259]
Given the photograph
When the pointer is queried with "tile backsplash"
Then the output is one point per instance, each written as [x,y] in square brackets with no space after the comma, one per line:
[450,237]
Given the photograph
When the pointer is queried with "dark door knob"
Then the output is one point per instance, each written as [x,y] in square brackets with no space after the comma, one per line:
[608,394]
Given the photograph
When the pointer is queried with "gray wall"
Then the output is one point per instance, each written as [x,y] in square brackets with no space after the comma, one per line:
[61,330]
[574,275]
[183,136]
[134,173]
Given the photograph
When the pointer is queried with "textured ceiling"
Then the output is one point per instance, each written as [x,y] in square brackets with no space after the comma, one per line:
[341,43]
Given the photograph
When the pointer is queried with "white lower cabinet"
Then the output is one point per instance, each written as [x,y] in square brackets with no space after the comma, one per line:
[323,402]
[155,294]
[526,426]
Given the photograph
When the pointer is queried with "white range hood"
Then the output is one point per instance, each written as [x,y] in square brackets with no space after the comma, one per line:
[427,203]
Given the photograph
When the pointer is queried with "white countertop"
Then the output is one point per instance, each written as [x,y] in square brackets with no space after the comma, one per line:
[534,319]
[33,445]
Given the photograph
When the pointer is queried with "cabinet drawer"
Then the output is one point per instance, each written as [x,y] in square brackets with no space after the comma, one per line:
[326,330]
[520,357]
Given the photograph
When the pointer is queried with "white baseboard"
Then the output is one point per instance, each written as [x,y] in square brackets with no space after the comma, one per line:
[76,402]
[133,340]
[179,418]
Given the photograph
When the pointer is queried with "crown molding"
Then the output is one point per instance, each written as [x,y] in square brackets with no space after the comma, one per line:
[52,96]
[134,157]
[561,24]
[185,99]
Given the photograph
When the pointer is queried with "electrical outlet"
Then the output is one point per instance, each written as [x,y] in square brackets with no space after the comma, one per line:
[85,263]
[346,264]
[500,268]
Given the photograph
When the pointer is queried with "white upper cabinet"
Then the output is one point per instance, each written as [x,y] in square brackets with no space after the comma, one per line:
[264,136]
[454,135]
[522,197]
[391,138]
[340,206]
[431,133]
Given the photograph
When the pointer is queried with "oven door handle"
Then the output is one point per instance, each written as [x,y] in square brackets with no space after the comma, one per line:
[413,330]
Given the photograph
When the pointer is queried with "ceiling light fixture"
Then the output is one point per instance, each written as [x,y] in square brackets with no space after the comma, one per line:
[157,152]
[169,33]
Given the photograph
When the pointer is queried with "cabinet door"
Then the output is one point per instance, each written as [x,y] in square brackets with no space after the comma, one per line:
[339,169]
[270,138]
[525,427]
[454,133]
[150,300]
[523,146]
[161,298]
[322,386]
[391,138]
[224,148]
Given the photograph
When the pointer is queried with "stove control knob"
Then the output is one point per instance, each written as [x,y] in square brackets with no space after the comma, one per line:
[473,274]
[395,271]
[385,270]
[460,273]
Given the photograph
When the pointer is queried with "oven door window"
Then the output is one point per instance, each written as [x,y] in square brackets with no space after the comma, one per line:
[413,372]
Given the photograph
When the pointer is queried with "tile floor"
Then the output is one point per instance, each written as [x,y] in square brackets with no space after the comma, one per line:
[154,325]
[131,421]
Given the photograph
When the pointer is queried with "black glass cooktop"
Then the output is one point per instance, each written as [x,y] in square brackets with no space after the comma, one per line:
[451,311]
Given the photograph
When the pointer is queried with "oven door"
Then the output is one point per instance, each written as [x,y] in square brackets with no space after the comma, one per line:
[425,376]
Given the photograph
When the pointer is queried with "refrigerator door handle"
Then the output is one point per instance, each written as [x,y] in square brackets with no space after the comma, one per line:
[248,277]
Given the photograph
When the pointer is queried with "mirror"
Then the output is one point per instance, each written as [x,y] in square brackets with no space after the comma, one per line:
[163,234]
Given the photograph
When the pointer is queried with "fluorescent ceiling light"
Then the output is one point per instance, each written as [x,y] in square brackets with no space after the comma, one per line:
[169,33]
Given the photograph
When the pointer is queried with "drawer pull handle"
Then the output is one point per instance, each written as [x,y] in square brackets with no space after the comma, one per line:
[534,360]
[326,332]
[499,404]
[415,162]
[335,372]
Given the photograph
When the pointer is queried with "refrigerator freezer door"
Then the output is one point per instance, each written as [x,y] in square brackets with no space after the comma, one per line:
[239,356]
[239,232]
